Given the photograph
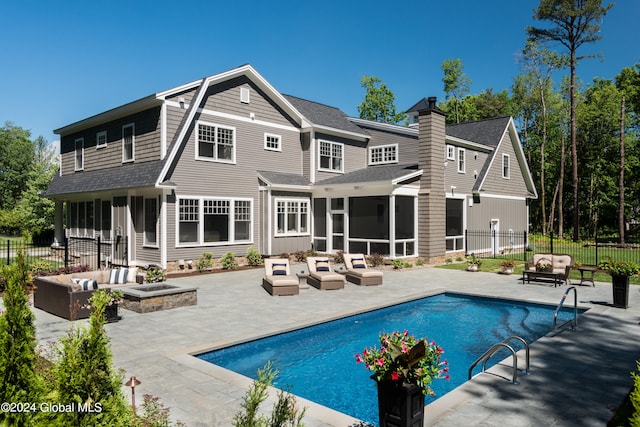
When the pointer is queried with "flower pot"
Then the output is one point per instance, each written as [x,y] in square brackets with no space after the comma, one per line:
[620,291]
[472,267]
[507,270]
[111,313]
[400,404]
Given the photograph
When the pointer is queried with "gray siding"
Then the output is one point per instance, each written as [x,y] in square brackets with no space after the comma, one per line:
[407,145]
[147,142]
[354,156]
[495,183]
[464,182]
[511,213]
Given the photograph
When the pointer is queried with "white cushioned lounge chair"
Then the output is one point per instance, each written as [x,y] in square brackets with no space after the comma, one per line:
[359,273]
[277,277]
[321,276]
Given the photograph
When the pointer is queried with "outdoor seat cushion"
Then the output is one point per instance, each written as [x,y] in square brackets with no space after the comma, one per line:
[277,281]
[327,276]
[365,272]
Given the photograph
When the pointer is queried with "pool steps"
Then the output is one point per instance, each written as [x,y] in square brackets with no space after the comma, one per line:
[497,347]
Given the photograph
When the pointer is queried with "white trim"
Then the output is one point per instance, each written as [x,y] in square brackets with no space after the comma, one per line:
[245,95]
[163,230]
[450,152]
[98,135]
[279,142]
[297,201]
[201,242]
[133,142]
[208,112]
[508,164]
[384,126]
[383,148]
[468,144]
[501,196]
[464,160]
[269,223]
[312,156]
[331,144]
[215,143]
[163,130]
[77,167]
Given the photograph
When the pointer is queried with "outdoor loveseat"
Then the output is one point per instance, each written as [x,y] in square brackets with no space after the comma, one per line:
[67,295]
[560,267]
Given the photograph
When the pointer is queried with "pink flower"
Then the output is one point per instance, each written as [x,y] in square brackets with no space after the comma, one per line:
[395,376]
[405,349]
[358,358]
[380,362]
[440,350]
[446,377]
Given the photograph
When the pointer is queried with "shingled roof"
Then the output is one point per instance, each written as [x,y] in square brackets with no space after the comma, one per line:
[324,115]
[487,132]
[380,173]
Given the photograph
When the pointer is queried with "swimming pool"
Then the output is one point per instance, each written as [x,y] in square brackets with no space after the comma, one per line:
[318,362]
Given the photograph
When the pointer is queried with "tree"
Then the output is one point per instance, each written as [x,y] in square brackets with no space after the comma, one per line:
[16,159]
[378,104]
[85,376]
[573,24]
[456,83]
[19,382]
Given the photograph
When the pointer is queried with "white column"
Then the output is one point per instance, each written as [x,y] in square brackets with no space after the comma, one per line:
[392,226]
[58,223]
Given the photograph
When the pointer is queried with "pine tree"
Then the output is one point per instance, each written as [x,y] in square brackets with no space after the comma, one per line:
[85,375]
[18,381]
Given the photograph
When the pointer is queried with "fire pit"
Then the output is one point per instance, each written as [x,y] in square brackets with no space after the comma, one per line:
[158,296]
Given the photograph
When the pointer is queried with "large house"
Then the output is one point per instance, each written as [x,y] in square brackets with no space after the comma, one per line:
[228,162]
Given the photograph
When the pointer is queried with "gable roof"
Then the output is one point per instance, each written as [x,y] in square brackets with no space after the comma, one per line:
[486,132]
[284,180]
[326,117]
[394,174]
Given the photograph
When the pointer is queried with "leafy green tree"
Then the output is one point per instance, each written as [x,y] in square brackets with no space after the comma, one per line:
[378,104]
[456,83]
[16,159]
[85,376]
[18,381]
[572,24]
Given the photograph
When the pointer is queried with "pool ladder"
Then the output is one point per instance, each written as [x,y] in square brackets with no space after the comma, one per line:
[574,321]
[499,346]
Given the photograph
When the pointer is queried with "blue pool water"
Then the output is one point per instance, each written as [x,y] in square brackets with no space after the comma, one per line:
[318,363]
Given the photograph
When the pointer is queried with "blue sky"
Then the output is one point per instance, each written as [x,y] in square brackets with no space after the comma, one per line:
[67,61]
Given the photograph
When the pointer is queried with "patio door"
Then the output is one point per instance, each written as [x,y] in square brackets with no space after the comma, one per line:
[120,231]
[337,224]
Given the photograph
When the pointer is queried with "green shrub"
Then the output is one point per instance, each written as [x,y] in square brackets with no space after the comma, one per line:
[634,420]
[154,414]
[300,256]
[376,260]
[41,268]
[459,259]
[339,257]
[254,258]
[155,274]
[228,261]
[448,261]
[205,262]
[398,264]
[419,262]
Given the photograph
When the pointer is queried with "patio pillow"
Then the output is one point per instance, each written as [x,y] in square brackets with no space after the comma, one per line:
[131,276]
[279,269]
[118,276]
[322,265]
[358,263]
[86,284]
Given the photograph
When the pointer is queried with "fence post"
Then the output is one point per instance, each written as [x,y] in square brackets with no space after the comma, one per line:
[99,266]
[66,253]
[597,246]
[526,245]
[8,252]
[466,242]
[551,242]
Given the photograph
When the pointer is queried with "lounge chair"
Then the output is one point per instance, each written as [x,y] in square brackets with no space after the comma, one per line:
[321,276]
[358,273]
[277,279]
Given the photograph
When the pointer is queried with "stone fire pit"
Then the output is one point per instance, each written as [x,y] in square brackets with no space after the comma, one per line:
[158,296]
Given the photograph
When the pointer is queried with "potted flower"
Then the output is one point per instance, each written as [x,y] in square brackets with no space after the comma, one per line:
[620,272]
[473,263]
[403,368]
[114,299]
[507,266]
[544,265]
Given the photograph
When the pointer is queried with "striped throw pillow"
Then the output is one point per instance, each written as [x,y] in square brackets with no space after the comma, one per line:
[118,276]
[279,269]
[358,263]
[87,284]
[322,265]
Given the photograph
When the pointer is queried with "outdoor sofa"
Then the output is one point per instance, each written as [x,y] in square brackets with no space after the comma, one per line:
[321,276]
[561,265]
[277,277]
[359,273]
[67,295]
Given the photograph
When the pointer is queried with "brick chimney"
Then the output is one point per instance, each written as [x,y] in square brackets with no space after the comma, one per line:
[431,197]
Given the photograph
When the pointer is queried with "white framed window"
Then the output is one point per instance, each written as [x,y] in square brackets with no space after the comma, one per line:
[214,221]
[151,222]
[461,160]
[81,219]
[128,142]
[383,154]
[79,154]
[245,95]
[330,155]
[292,217]
[216,143]
[101,139]
[451,152]
[506,166]
[272,142]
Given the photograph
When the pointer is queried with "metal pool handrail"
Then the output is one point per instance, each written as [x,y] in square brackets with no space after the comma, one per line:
[574,322]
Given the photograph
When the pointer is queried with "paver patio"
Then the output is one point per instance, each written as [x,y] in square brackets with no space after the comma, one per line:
[578,377]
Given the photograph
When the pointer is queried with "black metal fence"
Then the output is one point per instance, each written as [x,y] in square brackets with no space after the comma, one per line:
[521,245]
[96,253]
